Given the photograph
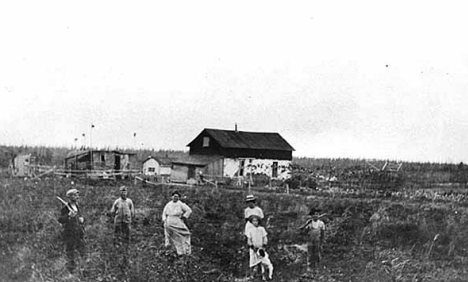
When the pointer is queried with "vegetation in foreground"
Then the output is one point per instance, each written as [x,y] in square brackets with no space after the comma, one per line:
[367,239]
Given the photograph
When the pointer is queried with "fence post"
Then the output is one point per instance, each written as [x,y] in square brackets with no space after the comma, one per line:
[53,182]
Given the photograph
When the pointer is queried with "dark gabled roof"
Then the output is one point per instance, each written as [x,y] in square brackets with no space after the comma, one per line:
[248,140]
[197,160]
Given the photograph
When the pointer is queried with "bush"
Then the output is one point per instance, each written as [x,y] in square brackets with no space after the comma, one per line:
[297,180]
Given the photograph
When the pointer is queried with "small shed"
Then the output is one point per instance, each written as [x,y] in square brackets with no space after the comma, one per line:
[98,161]
[191,166]
[21,165]
[157,167]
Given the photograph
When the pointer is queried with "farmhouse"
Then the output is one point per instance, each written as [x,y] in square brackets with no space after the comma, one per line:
[99,161]
[157,167]
[231,153]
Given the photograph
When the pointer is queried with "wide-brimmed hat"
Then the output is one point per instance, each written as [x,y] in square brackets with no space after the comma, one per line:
[123,188]
[72,192]
[250,198]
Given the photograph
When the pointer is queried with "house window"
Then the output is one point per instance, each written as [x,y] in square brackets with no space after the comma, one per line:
[103,159]
[206,141]
[274,169]
[151,169]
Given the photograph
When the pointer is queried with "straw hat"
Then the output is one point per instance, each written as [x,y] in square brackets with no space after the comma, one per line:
[250,198]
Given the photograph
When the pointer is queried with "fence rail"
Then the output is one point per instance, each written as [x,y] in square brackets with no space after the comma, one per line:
[37,171]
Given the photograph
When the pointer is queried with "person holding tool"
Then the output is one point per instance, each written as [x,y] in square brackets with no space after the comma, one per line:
[316,231]
[73,228]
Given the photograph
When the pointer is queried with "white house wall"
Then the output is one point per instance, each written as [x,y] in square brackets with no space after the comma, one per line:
[124,162]
[257,166]
[231,166]
[151,163]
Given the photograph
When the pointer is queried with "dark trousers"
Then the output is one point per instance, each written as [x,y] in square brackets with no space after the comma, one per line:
[74,246]
[122,232]
[314,250]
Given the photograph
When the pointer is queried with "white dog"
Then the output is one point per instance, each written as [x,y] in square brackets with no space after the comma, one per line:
[265,264]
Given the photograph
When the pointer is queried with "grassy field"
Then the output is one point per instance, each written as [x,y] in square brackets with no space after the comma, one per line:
[368,238]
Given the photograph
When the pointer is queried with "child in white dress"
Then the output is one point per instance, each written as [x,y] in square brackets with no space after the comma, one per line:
[256,239]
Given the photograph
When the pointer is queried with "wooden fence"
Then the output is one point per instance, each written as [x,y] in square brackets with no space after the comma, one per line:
[38,171]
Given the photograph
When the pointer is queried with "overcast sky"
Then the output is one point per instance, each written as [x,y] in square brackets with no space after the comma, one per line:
[359,79]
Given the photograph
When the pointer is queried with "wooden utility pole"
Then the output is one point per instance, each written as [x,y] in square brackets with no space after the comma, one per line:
[91,136]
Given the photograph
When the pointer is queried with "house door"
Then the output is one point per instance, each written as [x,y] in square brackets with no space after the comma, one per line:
[191,172]
[117,164]
[274,170]
[241,168]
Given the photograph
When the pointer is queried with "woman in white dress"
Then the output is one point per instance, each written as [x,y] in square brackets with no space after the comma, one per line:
[174,215]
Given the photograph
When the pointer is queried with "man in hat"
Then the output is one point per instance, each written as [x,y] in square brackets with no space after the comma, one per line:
[251,210]
[73,229]
[123,211]
[316,231]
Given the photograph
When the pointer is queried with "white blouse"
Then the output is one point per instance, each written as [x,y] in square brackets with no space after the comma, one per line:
[177,209]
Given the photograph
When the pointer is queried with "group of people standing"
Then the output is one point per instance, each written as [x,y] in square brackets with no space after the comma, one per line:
[174,219]
[257,238]
[176,232]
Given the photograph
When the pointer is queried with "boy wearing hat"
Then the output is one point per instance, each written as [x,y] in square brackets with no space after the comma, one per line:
[251,210]
[73,229]
[123,211]
[316,230]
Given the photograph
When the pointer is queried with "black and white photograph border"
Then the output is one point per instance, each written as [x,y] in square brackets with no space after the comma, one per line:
[180,140]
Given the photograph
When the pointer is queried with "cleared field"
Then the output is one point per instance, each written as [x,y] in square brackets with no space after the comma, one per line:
[368,238]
